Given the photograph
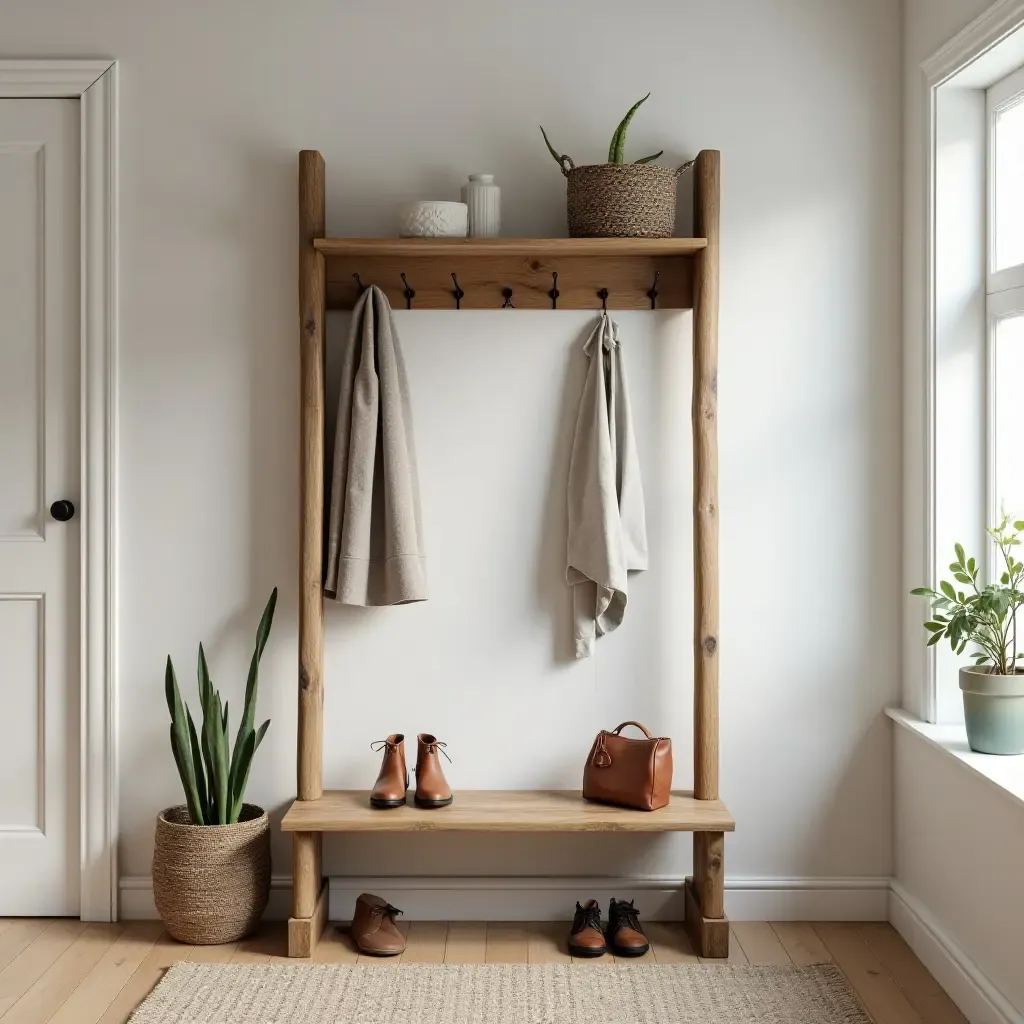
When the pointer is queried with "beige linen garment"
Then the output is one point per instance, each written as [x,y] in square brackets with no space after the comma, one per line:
[375,550]
[607,531]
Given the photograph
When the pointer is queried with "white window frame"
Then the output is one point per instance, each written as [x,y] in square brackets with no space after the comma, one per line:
[1004,290]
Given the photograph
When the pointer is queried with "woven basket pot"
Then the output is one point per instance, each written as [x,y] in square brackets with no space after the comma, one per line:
[621,200]
[211,882]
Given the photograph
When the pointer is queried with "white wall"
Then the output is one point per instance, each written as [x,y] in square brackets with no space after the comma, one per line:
[404,99]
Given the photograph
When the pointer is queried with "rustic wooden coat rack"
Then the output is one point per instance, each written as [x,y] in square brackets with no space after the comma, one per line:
[565,273]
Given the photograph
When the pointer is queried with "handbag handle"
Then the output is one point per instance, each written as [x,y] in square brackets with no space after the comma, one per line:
[643,729]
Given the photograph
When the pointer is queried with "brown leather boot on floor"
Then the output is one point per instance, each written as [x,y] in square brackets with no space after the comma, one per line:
[625,936]
[393,780]
[432,789]
[587,938]
[373,927]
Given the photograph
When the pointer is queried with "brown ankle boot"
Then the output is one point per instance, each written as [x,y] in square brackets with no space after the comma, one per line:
[393,780]
[587,936]
[625,936]
[432,788]
[373,927]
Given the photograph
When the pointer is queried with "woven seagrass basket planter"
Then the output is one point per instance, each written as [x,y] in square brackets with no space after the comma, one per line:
[621,200]
[211,882]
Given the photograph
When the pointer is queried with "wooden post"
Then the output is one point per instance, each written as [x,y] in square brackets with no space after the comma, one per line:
[308,894]
[705,896]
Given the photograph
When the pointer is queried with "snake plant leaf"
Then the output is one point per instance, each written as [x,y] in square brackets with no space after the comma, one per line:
[205,691]
[180,743]
[618,143]
[202,786]
[214,735]
[551,149]
[245,726]
[648,159]
[224,722]
[249,747]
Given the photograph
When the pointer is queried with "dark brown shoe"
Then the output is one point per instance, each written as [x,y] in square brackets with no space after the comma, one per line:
[432,789]
[586,938]
[393,780]
[625,936]
[373,927]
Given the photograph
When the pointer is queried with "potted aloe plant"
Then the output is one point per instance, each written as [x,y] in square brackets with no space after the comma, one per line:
[985,617]
[211,861]
[616,198]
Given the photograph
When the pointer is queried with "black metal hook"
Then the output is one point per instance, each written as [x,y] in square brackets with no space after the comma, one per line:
[653,293]
[360,287]
[458,293]
[554,293]
[408,293]
[603,296]
[507,304]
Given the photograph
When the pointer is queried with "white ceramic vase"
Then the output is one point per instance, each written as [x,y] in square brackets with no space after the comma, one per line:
[483,198]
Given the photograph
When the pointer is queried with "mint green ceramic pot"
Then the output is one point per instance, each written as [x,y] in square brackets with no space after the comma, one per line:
[994,711]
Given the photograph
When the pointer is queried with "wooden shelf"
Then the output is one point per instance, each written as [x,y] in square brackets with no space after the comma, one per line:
[524,247]
[485,267]
[504,811]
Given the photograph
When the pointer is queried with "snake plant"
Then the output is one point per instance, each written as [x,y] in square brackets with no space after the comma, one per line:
[214,775]
[617,147]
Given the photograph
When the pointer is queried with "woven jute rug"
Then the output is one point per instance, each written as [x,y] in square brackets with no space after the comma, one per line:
[499,994]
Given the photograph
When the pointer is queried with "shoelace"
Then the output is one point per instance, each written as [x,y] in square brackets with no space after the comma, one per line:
[437,746]
[386,910]
[380,745]
[626,913]
[592,918]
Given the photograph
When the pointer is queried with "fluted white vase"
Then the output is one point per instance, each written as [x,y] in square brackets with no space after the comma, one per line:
[483,198]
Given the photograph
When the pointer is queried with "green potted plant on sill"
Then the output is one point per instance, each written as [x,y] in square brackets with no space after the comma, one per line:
[616,198]
[211,859]
[985,616]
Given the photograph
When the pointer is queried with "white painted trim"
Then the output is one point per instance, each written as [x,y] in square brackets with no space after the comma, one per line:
[964,981]
[94,84]
[1005,774]
[552,899]
[1000,20]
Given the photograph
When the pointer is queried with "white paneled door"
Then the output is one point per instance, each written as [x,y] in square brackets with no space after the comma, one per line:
[39,507]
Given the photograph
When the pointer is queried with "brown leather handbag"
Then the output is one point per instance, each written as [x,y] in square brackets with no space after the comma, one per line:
[629,772]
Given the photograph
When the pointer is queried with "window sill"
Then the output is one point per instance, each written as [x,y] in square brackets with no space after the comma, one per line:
[1005,773]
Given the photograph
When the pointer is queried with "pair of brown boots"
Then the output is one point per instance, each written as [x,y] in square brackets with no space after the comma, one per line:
[432,789]
[623,936]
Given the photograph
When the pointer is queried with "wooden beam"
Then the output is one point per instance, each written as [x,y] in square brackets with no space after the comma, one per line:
[709,937]
[304,933]
[705,477]
[311,346]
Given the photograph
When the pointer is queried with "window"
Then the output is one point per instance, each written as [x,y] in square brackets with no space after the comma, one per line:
[1005,294]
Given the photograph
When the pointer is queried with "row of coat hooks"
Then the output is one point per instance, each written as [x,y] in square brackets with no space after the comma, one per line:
[458,294]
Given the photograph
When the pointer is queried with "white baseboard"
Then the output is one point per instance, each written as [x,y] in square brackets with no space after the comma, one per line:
[553,899]
[967,985]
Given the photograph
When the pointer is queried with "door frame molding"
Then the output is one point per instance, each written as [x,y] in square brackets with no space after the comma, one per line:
[94,84]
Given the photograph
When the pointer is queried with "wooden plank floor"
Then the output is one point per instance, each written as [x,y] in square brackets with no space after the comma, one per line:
[65,972]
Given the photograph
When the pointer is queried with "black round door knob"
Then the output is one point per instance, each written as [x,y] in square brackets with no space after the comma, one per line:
[62,510]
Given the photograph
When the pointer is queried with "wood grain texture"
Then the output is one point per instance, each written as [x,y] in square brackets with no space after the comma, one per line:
[165,952]
[670,943]
[704,413]
[89,1001]
[709,872]
[311,362]
[483,279]
[45,996]
[425,942]
[525,248]
[307,882]
[18,934]
[336,947]
[802,943]
[760,943]
[467,942]
[709,937]
[304,932]
[548,942]
[923,992]
[35,960]
[736,957]
[882,997]
[504,811]
[508,942]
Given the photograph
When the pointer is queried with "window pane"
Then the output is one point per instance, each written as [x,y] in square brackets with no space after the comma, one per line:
[1009,183]
[1008,418]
